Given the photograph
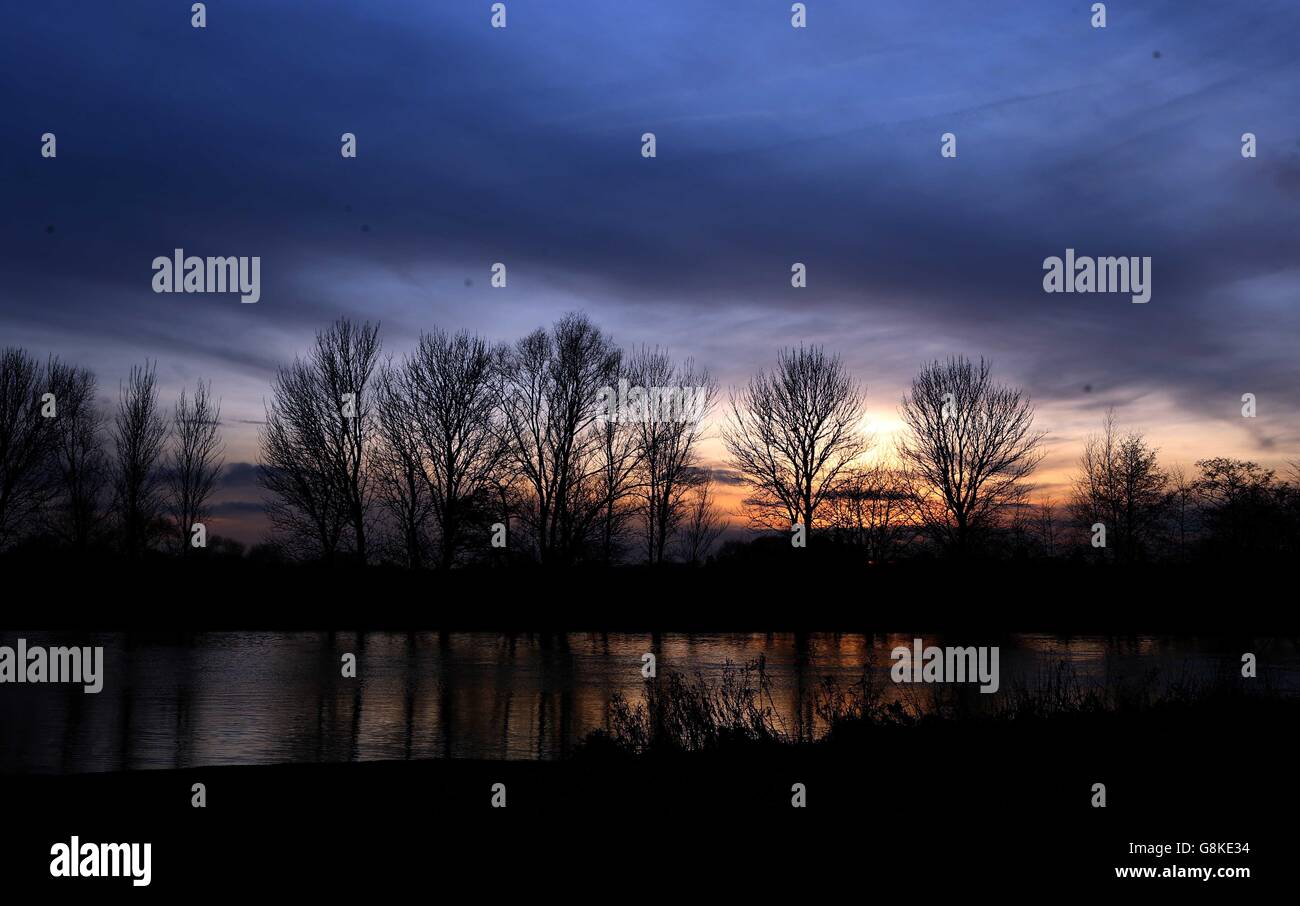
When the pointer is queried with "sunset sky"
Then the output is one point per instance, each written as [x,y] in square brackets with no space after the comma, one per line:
[775,145]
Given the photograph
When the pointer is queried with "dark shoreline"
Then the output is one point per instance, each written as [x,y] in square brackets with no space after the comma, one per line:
[1012,805]
[922,598]
[992,807]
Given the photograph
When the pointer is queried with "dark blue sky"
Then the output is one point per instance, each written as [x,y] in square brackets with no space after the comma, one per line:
[775,145]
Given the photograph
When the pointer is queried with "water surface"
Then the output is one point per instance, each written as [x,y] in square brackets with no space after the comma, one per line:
[267,697]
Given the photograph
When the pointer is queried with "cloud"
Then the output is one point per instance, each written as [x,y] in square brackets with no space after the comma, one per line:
[522,146]
[239,474]
[236,508]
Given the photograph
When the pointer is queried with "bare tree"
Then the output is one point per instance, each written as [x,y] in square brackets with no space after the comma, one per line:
[28,437]
[316,443]
[1182,509]
[344,360]
[1225,482]
[550,386]
[1289,502]
[195,460]
[301,505]
[969,444]
[80,461]
[702,525]
[1121,486]
[139,435]
[1019,525]
[869,507]
[618,463]
[452,385]
[1046,526]
[1242,505]
[791,433]
[667,407]
[400,482]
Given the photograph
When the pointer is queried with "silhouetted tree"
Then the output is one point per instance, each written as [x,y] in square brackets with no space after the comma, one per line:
[1121,486]
[28,437]
[969,444]
[1289,494]
[400,483]
[195,460]
[1242,505]
[139,435]
[81,463]
[617,466]
[316,442]
[869,509]
[550,385]
[666,410]
[702,524]
[1046,527]
[1182,511]
[452,385]
[790,433]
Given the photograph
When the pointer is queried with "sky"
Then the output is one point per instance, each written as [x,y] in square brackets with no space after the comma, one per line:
[775,145]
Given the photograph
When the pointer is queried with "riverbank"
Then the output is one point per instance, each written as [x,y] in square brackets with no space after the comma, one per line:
[933,597]
[1012,803]
[1014,809]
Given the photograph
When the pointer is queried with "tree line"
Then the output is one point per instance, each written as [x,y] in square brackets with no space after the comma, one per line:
[464,451]
[467,452]
[137,478]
